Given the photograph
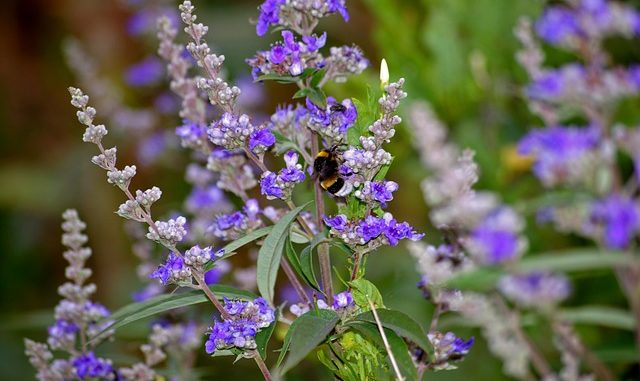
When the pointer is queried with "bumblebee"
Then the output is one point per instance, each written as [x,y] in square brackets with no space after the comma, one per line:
[326,166]
[338,107]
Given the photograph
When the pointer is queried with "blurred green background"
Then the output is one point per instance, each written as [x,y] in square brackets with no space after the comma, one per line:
[457,54]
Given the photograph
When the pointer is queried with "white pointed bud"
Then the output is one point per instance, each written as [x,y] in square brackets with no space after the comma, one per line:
[384,73]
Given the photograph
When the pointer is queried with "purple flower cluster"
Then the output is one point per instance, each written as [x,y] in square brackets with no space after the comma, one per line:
[558,149]
[231,131]
[261,140]
[619,219]
[62,334]
[145,73]
[89,367]
[173,270]
[332,121]
[231,226]
[589,19]
[281,185]
[372,231]
[283,12]
[539,289]
[247,318]
[289,57]
[573,83]
[377,191]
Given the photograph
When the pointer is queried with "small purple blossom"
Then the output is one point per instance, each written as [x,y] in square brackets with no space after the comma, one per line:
[269,185]
[192,134]
[269,15]
[379,191]
[395,231]
[334,120]
[89,367]
[342,300]
[620,218]
[261,140]
[338,223]
[172,270]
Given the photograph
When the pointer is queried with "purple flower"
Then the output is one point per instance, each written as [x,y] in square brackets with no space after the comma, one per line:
[342,300]
[230,221]
[88,366]
[460,347]
[497,245]
[165,272]
[291,173]
[338,223]
[340,7]
[557,24]
[262,139]
[620,217]
[395,231]
[556,148]
[269,186]
[380,191]
[269,15]
[448,347]
[145,73]
[247,318]
[370,228]
[335,120]
[314,42]
[277,54]
[535,288]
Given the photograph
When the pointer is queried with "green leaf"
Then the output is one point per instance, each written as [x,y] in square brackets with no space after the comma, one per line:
[483,279]
[574,260]
[304,92]
[363,291]
[306,267]
[599,315]
[317,77]
[398,347]
[231,247]
[318,97]
[618,355]
[293,259]
[163,303]
[262,337]
[401,323]
[305,334]
[271,252]
[382,172]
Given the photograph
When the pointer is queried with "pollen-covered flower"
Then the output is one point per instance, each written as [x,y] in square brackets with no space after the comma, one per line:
[333,121]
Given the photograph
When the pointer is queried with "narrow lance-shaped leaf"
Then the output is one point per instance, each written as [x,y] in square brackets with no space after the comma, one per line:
[305,334]
[163,303]
[401,323]
[270,254]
